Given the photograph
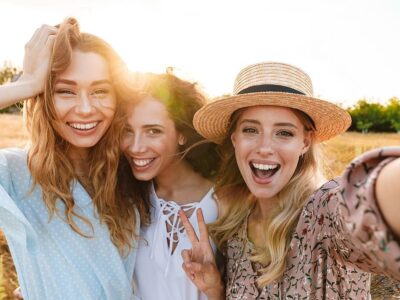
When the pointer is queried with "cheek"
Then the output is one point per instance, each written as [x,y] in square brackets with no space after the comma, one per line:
[107,105]
[243,148]
[241,153]
[124,144]
[290,155]
[61,107]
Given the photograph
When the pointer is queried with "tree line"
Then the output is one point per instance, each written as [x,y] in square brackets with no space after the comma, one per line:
[366,116]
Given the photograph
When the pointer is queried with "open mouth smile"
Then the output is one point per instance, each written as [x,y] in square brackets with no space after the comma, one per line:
[83,126]
[142,163]
[264,171]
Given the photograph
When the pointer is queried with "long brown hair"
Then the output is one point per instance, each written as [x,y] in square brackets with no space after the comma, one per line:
[48,162]
[236,201]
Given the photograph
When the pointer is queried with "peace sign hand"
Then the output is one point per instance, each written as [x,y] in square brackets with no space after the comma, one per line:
[199,262]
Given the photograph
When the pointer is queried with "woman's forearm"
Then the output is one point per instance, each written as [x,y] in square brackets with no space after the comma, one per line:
[14,92]
[388,195]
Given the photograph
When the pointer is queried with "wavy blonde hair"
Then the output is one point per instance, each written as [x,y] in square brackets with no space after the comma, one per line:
[48,162]
[236,201]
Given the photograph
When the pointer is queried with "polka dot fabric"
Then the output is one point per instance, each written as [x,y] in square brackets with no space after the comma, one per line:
[53,261]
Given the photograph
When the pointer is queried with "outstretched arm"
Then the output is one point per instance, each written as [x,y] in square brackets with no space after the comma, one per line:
[35,68]
[199,262]
[388,195]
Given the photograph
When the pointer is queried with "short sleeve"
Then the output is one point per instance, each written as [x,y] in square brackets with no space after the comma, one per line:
[12,220]
[360,233]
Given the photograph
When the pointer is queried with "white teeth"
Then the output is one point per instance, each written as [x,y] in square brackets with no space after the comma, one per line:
[142,162]
[83,126]
[264,167]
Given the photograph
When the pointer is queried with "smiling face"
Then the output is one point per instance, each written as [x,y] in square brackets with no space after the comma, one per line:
[268,142]
[150,141]
[84,100]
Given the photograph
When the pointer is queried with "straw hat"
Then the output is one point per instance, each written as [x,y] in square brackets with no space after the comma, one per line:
[271,83]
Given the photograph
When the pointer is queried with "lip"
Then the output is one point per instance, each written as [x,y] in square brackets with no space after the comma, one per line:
[263,180]
[83,131]
[144,167]
[264,162]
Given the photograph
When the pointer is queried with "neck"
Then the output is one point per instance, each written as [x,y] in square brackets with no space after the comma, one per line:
[180,183]
[264,206]
[174,176]
[79,159]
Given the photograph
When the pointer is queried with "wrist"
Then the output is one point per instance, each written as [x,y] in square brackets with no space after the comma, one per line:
[217,293]
[30,85]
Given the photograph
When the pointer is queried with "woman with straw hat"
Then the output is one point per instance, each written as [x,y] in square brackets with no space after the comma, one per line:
[282,236]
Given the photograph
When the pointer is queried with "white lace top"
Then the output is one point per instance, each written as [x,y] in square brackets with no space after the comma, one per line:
[158,271]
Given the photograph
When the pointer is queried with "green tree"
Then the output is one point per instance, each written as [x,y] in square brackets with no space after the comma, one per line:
[7,72]
[392,112]
[368,116]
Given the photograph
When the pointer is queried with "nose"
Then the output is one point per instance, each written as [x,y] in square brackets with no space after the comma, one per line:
[85,105]
[136,144]
[265,146]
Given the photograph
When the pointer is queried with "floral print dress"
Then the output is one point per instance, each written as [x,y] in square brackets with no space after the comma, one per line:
[339,240]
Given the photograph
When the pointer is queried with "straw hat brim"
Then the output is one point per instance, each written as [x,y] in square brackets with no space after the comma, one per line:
[212,120]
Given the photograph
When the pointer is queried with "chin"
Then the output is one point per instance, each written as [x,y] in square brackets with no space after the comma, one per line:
[141,176]
[262,193]
[85,145]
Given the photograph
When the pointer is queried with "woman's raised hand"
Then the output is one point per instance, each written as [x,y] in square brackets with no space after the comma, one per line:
[37,57]
[35,69]
[199,262]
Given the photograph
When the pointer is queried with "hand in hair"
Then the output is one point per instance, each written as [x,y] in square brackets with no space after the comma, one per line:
[199,262]
[35,68]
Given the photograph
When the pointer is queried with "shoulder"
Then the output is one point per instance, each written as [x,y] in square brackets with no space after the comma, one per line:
[320,198]
[12,160]
[13,154]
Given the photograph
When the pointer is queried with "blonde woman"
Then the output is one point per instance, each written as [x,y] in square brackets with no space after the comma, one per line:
[70,234]
[282,236]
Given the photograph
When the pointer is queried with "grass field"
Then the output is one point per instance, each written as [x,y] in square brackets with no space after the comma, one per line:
[337,153]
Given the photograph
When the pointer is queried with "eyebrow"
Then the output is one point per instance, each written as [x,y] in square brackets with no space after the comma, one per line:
[285,125]
[250,121]
[72,82]
[280,124]
[152,125]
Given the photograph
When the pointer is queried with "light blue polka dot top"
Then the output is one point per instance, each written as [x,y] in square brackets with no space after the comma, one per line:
[53,261]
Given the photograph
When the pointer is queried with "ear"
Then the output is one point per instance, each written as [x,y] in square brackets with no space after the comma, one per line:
[306,142]
[181,139]
[233,139]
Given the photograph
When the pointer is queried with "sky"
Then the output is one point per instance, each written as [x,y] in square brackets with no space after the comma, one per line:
[350,49]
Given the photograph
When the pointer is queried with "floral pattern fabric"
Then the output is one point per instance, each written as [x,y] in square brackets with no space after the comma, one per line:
[339,240]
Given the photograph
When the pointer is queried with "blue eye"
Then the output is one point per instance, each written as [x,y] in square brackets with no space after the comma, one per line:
[285,133]
[250,130]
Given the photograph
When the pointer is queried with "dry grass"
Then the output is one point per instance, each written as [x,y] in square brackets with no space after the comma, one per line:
[12,131]
[337,154]
[339,151]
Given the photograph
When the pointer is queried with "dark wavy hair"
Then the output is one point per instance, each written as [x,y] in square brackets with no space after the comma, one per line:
[182,100]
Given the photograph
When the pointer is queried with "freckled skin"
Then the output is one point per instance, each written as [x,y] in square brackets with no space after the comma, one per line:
[269,135]
[83,94]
